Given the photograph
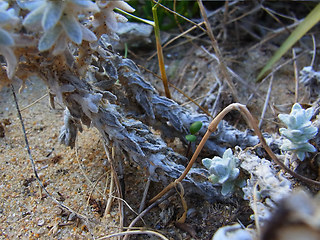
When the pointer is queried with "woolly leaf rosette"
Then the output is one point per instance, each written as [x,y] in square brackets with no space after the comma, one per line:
[298,132]
[223,171]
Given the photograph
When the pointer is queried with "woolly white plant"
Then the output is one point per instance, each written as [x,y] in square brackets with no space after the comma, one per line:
[266,185]
[52,25]
[233,232]
[224,171]
[8,20]
[307,74]
[299,131]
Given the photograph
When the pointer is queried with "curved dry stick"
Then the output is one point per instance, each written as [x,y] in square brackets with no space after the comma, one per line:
[213,126]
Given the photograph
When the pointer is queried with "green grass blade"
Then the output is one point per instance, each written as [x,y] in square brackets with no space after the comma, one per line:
[312,18]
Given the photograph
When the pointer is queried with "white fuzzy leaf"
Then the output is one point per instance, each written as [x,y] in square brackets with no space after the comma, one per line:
[111,21]
[207,162]
[88,35]
[11,60]
[30,4]
[49,38]
[52,14]
[87,4]
[5,18]
[72,28]
[3,5]
[120,18]
[5,38]
[301,155]
[227,188]
[124,6]
[34,17]
[309,113]
[227,154]
[284,118]
[61,45]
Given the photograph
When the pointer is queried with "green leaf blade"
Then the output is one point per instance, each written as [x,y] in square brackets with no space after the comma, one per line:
[191,138]
[195,127]
[312,18]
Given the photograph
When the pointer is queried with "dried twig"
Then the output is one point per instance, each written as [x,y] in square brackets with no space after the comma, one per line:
[272,72]
[109,201]
[36,101]
[93,185]
[314,52]
[34,166]
[296,76]
[144,212]
[218,53]
[144,196]
[116,180]
[266,102]
[183,218]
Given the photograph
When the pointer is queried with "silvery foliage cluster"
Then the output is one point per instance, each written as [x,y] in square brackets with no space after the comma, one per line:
[266,184]
[311,80]
[299,131]
[307,74]
[233,232]
[108,92]
[54,24]
[224,171]
[8,20]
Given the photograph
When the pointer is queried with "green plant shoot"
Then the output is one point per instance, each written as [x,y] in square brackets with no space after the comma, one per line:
[194,128]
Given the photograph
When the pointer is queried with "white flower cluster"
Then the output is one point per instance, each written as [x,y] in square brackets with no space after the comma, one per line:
[55,23]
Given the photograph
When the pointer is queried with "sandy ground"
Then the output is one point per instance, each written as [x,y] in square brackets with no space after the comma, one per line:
[26,212]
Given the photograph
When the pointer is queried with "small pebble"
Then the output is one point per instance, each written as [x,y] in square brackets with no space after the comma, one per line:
[72,217]
[41,231]
[41,222]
